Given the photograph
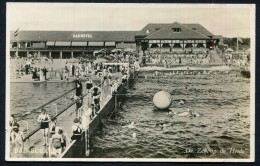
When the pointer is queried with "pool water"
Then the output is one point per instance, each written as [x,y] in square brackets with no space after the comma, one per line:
[215,98]
[25,97]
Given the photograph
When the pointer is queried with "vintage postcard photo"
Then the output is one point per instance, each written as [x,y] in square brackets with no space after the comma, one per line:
[130,82]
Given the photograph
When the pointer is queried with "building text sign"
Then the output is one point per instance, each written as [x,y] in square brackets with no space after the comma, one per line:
[82,35]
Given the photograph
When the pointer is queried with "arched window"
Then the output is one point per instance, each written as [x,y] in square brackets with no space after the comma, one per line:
[147,31]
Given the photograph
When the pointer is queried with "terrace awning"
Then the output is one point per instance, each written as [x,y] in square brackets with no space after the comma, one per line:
[96,44]
[79,43]
[110,43]
[60,43]
[50,43]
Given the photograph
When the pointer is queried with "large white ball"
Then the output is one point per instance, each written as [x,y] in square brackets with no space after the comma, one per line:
[162,100]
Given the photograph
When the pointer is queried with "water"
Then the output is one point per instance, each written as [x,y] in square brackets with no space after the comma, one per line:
[217,99]
[24,97]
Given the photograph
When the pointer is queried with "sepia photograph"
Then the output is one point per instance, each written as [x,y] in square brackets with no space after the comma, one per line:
[130,82]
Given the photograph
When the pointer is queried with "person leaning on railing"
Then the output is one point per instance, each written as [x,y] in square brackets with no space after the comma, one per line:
[76,130]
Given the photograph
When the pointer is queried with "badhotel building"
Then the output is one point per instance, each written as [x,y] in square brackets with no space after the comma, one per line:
[68,44]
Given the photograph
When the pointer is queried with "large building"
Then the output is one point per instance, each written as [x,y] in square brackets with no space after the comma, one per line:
[67,44]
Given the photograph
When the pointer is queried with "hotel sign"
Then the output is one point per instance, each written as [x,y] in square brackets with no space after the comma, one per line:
[82,35]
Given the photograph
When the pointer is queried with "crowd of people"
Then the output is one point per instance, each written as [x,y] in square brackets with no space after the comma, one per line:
[169,59]
[89,97]
[239,60]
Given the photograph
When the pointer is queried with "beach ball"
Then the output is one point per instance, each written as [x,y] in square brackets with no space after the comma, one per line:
[162,100]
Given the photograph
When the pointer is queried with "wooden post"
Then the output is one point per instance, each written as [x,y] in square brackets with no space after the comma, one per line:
[87,152]
[61,55]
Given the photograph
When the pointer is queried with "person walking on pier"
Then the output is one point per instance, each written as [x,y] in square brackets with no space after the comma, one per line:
[76,129]
[44,119]
[78,87]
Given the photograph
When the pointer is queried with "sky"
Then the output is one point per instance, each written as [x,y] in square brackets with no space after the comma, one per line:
[220,20]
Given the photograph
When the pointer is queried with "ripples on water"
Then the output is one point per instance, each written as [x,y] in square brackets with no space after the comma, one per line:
[24,97]
[216,99]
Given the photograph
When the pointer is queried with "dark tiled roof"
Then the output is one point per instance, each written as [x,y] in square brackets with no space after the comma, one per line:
[152,28]
[199,28]
[167,33]
[126,36]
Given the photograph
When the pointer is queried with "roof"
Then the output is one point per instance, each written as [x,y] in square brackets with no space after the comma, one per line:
[155,27]
[167,33]
[123,36]
[152,27]
[199,28]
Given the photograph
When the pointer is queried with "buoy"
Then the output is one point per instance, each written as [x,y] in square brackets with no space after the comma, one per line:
[162,100]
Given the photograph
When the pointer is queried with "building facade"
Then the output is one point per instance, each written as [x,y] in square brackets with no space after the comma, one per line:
[69,44]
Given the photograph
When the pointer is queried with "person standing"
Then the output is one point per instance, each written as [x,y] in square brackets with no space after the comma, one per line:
[17,138]
[78,87]
[73,69]
[76,130]
[45,72]
[44,119]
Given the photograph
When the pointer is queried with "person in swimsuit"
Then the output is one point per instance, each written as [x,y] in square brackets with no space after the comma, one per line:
[109,78]
[56,142]
[96,94]
[89,84]
[64,137]
[76,129]
[53,126]
[44,119]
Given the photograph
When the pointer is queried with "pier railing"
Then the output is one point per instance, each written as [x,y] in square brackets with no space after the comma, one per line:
[107,106]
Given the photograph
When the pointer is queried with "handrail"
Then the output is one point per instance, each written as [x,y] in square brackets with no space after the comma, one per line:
[37,129]
[56,98]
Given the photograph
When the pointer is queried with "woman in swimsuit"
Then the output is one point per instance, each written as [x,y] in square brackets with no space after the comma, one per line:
[89,84]
[56,143]
[53,127]
[76,129]
[44,119]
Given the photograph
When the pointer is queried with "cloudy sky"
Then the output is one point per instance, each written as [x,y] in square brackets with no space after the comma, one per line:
[220,20]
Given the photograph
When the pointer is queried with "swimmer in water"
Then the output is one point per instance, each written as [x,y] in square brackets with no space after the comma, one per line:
[189,113]
[131,126]
[171,113]
[181,102]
